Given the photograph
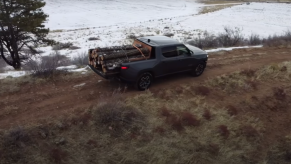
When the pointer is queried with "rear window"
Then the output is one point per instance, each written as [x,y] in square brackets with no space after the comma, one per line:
[169,52]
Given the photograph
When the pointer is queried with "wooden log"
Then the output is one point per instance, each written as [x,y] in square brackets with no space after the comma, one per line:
[104,68]
[129,53]
[116,48]
[138,58]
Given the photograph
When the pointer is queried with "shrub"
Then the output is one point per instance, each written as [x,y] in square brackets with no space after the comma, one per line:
[207,40]
[169,34]
[188,119]
[279,94]
[74,48]
[93,38]
[254,39]
[280,151]
[165,112]
[207,115]
[131,36]
[232,110]
[223,130]
[202,90]
[47,66]
[230,37]
[249,132]
[278,40]
[80,60]
[248,72]
[60,46]
[118,118]
[57,155]
[16,138]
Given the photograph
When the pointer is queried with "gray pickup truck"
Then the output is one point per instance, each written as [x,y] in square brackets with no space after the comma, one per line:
[167,56]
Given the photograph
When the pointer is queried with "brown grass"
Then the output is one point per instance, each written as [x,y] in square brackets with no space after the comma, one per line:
[207,115]
[188,119]
[209,9]
[202,90]
[223,131]
[147,128]
[232,110]
[279,94]
[57,155]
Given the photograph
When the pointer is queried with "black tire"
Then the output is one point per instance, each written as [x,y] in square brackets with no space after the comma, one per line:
[198,70]
[144,81]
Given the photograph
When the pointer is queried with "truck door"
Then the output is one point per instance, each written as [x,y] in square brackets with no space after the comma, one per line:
[186,61]
[169,63]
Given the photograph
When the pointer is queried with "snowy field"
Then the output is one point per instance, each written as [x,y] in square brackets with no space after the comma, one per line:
[113,21]
[73,14]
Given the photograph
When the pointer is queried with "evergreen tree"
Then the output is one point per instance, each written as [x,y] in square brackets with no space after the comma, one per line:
[21,25]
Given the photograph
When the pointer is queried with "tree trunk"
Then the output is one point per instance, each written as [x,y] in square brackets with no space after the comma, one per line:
[3,56]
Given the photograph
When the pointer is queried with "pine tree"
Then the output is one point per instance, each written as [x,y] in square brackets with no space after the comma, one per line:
[21,25]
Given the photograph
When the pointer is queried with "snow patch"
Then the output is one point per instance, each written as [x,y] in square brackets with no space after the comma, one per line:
[12,74]
[232,48]
[79,85]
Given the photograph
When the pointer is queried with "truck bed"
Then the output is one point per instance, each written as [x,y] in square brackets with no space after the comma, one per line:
[108,68]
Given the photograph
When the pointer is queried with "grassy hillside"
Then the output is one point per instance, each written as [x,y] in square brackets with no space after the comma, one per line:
[242,117]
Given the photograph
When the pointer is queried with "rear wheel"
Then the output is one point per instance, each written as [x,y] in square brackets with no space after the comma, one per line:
[144,81]
[198,70]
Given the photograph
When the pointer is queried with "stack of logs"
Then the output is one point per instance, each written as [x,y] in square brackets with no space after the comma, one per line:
[110,58]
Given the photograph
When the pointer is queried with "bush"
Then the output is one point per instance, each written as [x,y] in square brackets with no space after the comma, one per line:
[278,40]
[74,48]
[230,37]
[60,46]
[131,36]
[254,40]
[207,40]
[93,38]
[47,66]
[80,60]
[118,118]
[169,34]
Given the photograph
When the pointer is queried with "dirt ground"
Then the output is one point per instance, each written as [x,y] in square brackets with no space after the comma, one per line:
[60,98]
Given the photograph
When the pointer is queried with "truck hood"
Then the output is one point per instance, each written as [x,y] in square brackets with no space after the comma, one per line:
[196,50]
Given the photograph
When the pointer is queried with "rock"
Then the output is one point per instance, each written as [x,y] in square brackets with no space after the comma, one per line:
[60,141]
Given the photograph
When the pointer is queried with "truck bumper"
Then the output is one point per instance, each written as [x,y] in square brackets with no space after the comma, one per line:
[100,73]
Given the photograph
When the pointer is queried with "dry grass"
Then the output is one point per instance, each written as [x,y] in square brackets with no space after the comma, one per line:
[137,131]
[217,2]
[149,128]
[280,152]
[209,9]
[13,85]
[244,1]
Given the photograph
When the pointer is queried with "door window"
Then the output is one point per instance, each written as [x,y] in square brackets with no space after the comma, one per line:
[182,51]
[169,52]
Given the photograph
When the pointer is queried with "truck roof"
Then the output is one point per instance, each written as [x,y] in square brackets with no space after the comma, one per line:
[158,40]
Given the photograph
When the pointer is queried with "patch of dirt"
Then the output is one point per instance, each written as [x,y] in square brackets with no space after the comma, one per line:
[61,98]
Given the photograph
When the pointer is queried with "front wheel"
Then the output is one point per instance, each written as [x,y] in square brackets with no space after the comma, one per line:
[198,70]
[144,81]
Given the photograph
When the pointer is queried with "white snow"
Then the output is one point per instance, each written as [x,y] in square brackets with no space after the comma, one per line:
[70,67]
[12,74]
[232,48]
[112,21]
[72,14]
[79,85]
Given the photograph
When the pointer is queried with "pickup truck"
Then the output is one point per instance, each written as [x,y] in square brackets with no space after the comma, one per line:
[167,56]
